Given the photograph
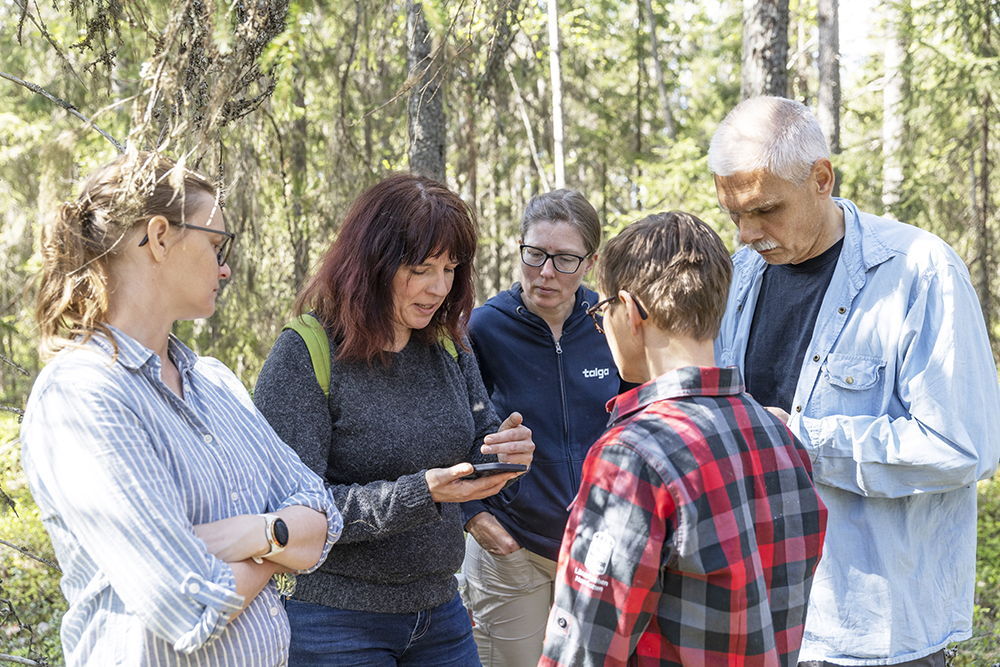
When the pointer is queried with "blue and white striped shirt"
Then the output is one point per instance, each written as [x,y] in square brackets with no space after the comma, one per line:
[122,469]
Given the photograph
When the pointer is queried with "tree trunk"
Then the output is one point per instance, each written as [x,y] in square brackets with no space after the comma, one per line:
[894,96]
[983,242]
[298,166]
[426,108]
[640,61]
[802,61]
[765,48]
[828,94]
[529,133]
[471,140]
[557,106]
[661,85]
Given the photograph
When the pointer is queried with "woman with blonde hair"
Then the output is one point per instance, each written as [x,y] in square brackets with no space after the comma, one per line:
[170,501]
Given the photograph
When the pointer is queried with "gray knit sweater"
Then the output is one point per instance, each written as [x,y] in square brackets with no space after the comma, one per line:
[381,428]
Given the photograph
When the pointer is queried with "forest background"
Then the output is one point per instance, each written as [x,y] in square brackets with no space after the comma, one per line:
[294,107]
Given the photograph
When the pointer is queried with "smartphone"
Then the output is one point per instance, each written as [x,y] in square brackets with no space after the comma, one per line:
[483,469]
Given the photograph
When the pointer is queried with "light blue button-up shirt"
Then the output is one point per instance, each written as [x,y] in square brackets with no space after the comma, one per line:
[122,469]
[899,405]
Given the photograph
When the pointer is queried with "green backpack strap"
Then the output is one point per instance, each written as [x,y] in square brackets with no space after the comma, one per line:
[448,344]
[314,335]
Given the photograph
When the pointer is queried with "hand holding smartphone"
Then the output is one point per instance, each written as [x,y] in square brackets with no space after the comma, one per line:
[483,469]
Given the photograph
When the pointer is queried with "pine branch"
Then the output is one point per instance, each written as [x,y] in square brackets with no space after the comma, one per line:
[38,90]
[31,555]
[45,33]
[15,365]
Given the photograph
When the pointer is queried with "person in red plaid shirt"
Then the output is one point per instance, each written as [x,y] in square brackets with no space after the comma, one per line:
[696,531]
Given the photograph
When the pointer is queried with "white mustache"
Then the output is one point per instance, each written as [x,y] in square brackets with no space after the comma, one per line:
[763,245]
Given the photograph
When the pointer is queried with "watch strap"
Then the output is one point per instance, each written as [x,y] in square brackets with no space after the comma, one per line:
[269,534]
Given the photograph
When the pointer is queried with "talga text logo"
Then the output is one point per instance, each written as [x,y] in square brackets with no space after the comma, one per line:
[599,373]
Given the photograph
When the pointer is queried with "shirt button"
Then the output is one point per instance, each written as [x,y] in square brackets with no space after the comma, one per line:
[234,495]
[274,611]
[207,438]
[849,380]
[798,408]
[193,589]
[841,310]
[815,357]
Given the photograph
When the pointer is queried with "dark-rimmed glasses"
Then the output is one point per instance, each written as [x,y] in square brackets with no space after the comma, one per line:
[598,309]
[563,262]
[227,245]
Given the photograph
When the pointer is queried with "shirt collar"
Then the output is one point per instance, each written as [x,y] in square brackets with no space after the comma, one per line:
[680,383]
[134,355]
[863,247]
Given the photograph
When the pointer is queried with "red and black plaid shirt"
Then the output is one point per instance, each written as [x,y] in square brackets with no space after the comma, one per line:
[694,537]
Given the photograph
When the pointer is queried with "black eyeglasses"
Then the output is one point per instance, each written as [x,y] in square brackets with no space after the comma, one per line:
[598,309]
[563,262]
[224,249]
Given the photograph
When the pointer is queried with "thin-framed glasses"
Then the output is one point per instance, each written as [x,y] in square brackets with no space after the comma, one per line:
[563,262]
[598,310]
[224,249]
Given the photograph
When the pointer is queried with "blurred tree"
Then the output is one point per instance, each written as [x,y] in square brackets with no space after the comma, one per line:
[666,115]
[555,71]
[828,92]
[765,48]
[426,107]
[895,97]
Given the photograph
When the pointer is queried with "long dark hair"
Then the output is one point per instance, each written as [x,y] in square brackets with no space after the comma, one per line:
[400,221]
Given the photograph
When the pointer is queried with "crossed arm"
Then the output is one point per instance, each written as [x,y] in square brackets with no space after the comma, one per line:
[236,540]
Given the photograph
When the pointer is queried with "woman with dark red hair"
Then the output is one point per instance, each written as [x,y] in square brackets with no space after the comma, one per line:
[405,417]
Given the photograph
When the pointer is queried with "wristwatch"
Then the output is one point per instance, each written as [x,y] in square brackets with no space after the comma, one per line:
[276,533]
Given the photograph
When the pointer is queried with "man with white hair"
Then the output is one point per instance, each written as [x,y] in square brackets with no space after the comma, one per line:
[866,337]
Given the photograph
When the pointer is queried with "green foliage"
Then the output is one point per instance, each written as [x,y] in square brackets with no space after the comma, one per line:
[984,647]
[31,604]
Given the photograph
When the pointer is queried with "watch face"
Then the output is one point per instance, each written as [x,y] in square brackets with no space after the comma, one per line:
[280,532]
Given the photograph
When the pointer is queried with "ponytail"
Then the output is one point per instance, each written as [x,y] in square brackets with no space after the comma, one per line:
[72,295]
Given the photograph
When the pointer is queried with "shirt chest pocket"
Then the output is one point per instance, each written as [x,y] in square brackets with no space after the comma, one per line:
[850,372]
[853,384]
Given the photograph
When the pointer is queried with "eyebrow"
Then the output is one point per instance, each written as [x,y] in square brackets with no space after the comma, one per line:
[767,203]
[559,252]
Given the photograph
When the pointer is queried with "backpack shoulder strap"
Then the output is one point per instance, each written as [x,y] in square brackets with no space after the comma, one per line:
[448,344]
[312,332]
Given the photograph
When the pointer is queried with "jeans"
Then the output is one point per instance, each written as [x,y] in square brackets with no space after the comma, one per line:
[328,637]
[509,597]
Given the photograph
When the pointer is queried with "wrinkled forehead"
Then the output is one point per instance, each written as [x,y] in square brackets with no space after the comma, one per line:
[749,191]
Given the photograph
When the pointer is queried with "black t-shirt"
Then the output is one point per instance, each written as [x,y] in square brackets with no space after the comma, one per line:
[783,323]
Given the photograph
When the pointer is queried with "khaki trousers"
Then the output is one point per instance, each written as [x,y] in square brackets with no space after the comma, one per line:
[509,598]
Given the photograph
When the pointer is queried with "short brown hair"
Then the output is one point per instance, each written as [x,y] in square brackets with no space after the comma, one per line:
[567,206]
[676,266]
[400,221]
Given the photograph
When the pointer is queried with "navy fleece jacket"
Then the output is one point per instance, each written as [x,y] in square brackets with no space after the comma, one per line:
[561,389]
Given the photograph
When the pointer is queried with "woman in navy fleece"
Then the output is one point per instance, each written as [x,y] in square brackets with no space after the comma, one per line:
[539,354]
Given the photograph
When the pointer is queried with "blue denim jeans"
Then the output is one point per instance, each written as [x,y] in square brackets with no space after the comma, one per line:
[328,637]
